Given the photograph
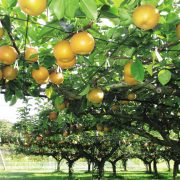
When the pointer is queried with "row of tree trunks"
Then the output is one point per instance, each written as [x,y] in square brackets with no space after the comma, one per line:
[155,170]
[113,163]
[148,166]
[100,166]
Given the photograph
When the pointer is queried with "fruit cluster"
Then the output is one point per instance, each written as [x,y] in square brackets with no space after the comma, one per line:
[64,51]
[81,43]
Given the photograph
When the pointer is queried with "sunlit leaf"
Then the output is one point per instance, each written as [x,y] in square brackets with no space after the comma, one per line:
[49,92]
[85,91]
[70,7]
[137,70]
[89,7]
[164,76]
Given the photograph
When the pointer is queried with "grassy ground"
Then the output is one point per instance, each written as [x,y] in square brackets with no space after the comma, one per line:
[9,175]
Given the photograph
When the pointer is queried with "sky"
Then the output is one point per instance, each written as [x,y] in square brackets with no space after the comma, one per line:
[8,112]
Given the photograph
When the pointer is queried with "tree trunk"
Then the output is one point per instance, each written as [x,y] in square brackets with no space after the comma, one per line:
[149,168]
[58,160]
[175,170]
[155,167]
[70,166]
[124,163]
[89,165]
[114,169]
[58,165]
[100,170]
[168,164]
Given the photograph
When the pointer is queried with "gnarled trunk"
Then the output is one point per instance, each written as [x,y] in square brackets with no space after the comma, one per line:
[149,168]
[155,167]
[100,170]
[114,169]
[168,164]
[58,165]
[58,160]
[124,163]
[70,168]
[113,163]
[89,165]
[175,169]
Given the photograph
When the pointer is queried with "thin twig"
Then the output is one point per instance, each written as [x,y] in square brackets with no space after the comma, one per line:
[20,19]
[85,28]
[26,34]
[163,48]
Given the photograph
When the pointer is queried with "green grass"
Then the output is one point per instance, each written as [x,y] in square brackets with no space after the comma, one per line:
[8,175]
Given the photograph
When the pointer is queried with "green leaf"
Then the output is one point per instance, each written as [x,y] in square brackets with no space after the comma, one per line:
[48,61]
[152,2]
[124,14]
[71,7]
[59,100]
[45,31]
[137,70]
[89,7]
[13,100]
[19,94]
[85,91]
[149,69]
[35,65]
[117,3]
[8,3]
[164,76]
[172,18]
[8,95]
[109,12]
[49,92]
[59,8]
[12,3]
[4,3]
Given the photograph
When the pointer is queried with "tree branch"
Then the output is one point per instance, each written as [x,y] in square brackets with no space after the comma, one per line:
[11,38]
[173,144]
[168,45]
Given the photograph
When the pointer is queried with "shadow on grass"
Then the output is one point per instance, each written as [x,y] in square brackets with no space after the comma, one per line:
[130,175]
[133,175]
[42,176]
